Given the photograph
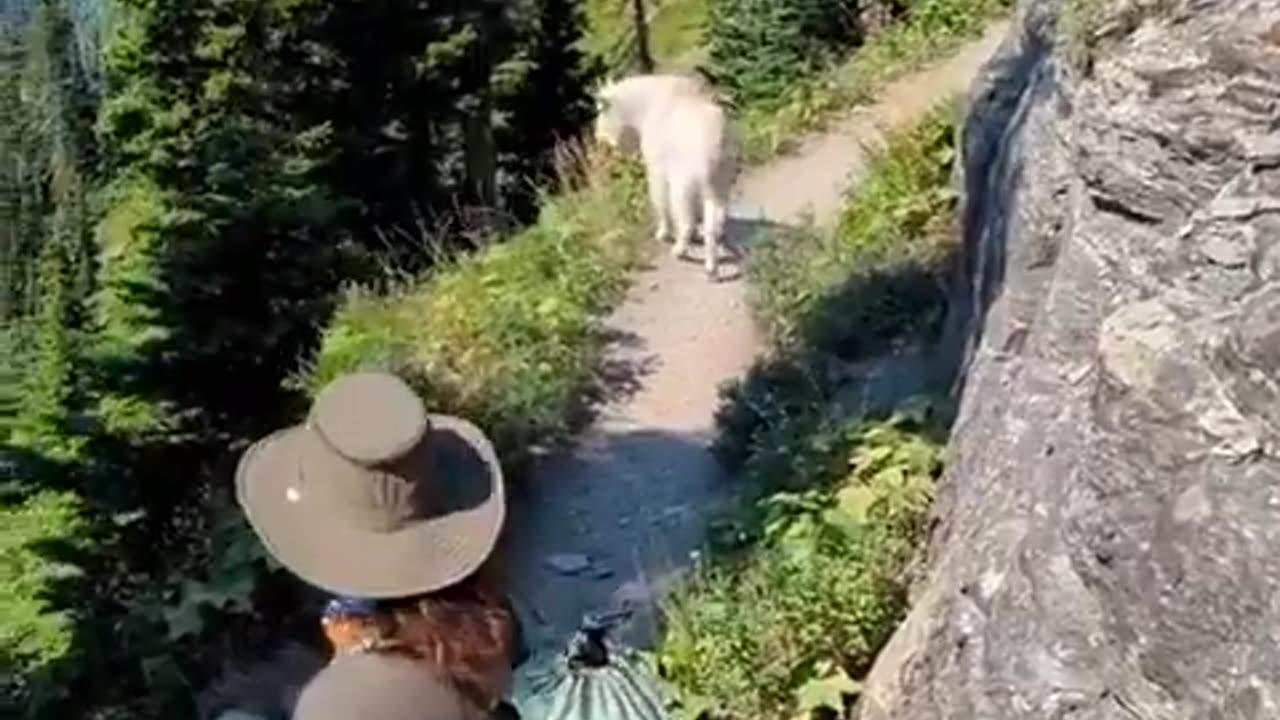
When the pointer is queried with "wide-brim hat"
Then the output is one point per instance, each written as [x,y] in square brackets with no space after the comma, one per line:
[373,496]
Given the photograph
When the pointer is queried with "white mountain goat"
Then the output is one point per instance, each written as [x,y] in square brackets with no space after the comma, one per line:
[690,158]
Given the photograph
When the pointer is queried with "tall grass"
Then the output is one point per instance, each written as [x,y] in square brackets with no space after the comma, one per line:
[507,336]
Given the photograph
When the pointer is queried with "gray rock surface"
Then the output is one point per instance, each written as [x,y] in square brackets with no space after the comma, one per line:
[1107,538]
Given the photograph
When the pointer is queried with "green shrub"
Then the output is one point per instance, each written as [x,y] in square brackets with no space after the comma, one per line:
[789,626]
[34,536]
[759,48]
[927,30]
[807,582]
[771,393]
[508,336]
[880,274]
[876,281]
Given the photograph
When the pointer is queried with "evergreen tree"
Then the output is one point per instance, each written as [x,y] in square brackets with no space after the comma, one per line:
[178,207]
[549,71]
[759,48]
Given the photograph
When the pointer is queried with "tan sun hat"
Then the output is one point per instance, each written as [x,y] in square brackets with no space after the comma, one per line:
[378,686]
[373,496]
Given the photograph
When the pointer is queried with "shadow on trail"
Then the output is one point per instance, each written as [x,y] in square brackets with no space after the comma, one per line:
[627,511]
[627,360]
[739,234]
[869,346]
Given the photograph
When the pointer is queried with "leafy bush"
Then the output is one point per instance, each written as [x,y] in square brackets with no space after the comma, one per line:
[508,336]
[880,275]
[808,581]
[788,627]
[35,534]
[926,30]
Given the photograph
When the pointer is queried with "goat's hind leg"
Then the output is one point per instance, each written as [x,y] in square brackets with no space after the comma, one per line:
[683,217]
[713,221]
[658,203]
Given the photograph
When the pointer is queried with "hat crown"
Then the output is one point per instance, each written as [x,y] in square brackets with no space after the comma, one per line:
[371,422]
[369,418]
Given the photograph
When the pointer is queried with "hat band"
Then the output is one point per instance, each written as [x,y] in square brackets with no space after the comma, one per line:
[380,498]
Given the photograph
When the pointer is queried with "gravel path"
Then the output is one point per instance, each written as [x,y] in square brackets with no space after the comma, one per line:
[615,517]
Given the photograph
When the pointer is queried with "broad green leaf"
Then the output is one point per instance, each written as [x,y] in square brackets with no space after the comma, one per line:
[871,456]
[826,690]
[857,500]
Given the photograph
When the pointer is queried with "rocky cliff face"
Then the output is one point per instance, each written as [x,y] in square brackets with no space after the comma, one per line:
[1108,533]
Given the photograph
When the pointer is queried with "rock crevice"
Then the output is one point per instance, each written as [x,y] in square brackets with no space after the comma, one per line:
[1106,529]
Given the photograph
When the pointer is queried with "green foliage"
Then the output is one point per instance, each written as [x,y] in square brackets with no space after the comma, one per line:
[881,274]
[507,337]
[43,530]
[34,631]
[31,631]
[235,555]
[676,30]
[248,159]
[808,580]
[789,626]
[927,29]
[759,48]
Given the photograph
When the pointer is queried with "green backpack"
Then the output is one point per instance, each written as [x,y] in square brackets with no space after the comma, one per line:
[592,679]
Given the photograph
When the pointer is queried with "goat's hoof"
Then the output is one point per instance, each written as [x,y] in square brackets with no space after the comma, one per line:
[679,252]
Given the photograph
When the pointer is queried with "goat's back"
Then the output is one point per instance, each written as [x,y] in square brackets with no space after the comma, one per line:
[690,129]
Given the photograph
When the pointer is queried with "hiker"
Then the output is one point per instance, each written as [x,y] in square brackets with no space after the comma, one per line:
[396,512]
[380,687]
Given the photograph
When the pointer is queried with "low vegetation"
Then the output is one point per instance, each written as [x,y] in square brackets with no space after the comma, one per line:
[1077,28]
[508,336]
[926,30]
[33,631]
[789,66]
[803,587]
[789,626]
[879,275]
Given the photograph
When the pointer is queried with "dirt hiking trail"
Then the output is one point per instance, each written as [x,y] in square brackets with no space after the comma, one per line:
[614,518]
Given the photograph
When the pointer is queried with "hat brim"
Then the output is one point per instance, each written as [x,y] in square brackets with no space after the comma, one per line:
[311,540]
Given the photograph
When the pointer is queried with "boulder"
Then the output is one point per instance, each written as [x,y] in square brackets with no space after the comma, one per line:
[1106,542]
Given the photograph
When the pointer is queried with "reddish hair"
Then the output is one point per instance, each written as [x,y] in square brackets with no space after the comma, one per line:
[465,632]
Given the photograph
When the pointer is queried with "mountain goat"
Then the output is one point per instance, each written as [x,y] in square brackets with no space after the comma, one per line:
[690,158]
